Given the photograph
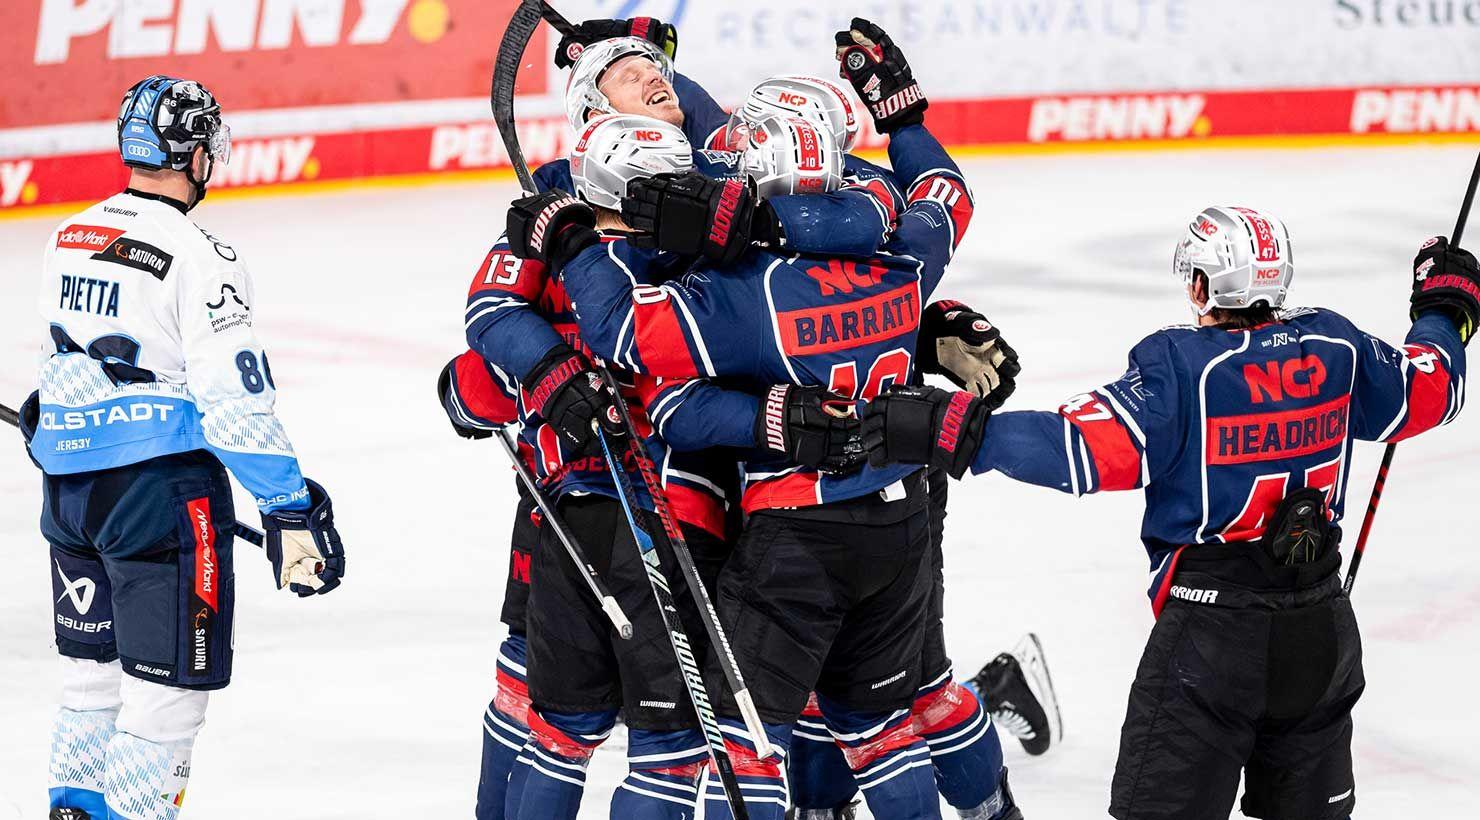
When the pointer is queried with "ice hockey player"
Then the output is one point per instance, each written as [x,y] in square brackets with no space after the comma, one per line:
[789,326]
[1239,428]
[153,385]
[521,321]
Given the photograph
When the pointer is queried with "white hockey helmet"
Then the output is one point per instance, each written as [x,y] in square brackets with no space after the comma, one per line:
[790,155]
[615,149]
[1245,254]
[793,95]
[582,92]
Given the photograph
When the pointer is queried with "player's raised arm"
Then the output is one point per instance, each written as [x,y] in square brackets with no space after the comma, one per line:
[1400,393]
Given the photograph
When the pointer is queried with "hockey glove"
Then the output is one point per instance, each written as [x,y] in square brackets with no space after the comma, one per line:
[811,426]
[570,396]
[307,556]
[880,74]
[960,344]
[1447,279]
[449,403]
[655,31]
[924,425]
[692,214]
[551,227]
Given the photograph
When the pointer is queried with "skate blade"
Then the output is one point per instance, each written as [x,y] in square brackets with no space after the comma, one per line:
[1030,656]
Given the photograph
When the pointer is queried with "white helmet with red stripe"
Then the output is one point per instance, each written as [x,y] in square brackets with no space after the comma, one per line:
[583,89]
[791,156]
[1245,254]
[615,149]
[811,98]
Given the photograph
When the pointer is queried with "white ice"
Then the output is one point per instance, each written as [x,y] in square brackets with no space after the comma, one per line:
[367,702]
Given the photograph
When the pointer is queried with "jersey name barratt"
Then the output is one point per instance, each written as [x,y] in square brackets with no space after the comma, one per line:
[103,416]
[853,324]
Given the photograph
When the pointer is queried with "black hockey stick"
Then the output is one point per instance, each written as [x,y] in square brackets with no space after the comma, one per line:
[556,20]
[1387,455]
[609,604]
[245,532]
[522,26]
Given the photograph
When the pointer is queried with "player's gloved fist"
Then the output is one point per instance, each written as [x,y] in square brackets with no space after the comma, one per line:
[551,227]
[692,214]
[811,426]
[925,425]
[655,31]
[570,397]
[303,546]
[960,344]
[1447,279]
[878,71]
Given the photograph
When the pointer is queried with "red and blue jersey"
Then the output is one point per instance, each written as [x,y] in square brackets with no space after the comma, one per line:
[849,324]
[1218,426]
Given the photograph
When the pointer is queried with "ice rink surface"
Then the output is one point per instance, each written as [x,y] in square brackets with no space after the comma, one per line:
[367,703]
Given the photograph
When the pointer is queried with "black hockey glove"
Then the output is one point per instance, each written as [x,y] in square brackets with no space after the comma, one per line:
[655,31]
[924,425]
[303,546]
[569,396]
[694,215]
[1447,280]
[449,404]
[811,426]
[960,344]
[880,74]
[551,227]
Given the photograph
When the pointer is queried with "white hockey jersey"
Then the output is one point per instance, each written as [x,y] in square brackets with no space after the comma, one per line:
[150,351]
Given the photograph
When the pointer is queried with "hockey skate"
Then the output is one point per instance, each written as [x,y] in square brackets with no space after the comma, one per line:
[68,814]
[1018,691]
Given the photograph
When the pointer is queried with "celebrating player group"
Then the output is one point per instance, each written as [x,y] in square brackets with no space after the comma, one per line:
[711,331]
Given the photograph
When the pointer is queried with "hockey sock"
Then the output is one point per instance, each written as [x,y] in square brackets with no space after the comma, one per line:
[890,762]
[663,771]
[559,748]
[505,729]
[148,759]
[964,747]
[762,782]
[819,774]
[80,733]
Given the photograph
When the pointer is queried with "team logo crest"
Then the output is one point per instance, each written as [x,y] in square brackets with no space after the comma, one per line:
[856,60]
[573,51]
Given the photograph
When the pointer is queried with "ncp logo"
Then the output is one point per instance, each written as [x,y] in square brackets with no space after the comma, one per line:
[81,592]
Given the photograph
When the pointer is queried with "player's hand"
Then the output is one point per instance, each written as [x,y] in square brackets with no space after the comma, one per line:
[1447,279]
[881,75]
[692,214]
[551,227]
[655,31]
[444,395]
[960,344]
[924,425]
[811,426]
[307,556]
[570,396]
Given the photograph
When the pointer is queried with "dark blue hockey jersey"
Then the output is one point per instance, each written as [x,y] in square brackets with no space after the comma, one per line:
[800,319]
[1218,426]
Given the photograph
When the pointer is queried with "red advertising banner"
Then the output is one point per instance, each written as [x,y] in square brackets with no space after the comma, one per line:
[66,61]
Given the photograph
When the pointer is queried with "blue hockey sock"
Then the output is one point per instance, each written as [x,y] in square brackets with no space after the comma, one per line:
[964,746]
[505,729]
[762,782]
[663,772]
[560,747]
[819,774]
[890,762]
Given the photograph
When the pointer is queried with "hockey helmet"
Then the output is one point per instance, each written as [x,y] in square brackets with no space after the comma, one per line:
[615,149]
[790,155]
[811,98]
[582,90]
[163,119]
[1245,255]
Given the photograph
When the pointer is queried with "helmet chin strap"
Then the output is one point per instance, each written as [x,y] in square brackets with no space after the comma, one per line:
[200,184]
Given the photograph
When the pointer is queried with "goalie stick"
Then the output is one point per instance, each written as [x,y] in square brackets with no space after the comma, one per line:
[245,532]
[609,604]
[521,28]
[1387,455]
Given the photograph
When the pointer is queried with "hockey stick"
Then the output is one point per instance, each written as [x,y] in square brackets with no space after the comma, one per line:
[1387,455]
[245,532]
[609,604]
[522,26]
[556,20]
[688,665]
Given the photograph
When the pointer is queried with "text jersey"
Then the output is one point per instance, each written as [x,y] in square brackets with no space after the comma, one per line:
[149,351]
[846,324]
[1218,426]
